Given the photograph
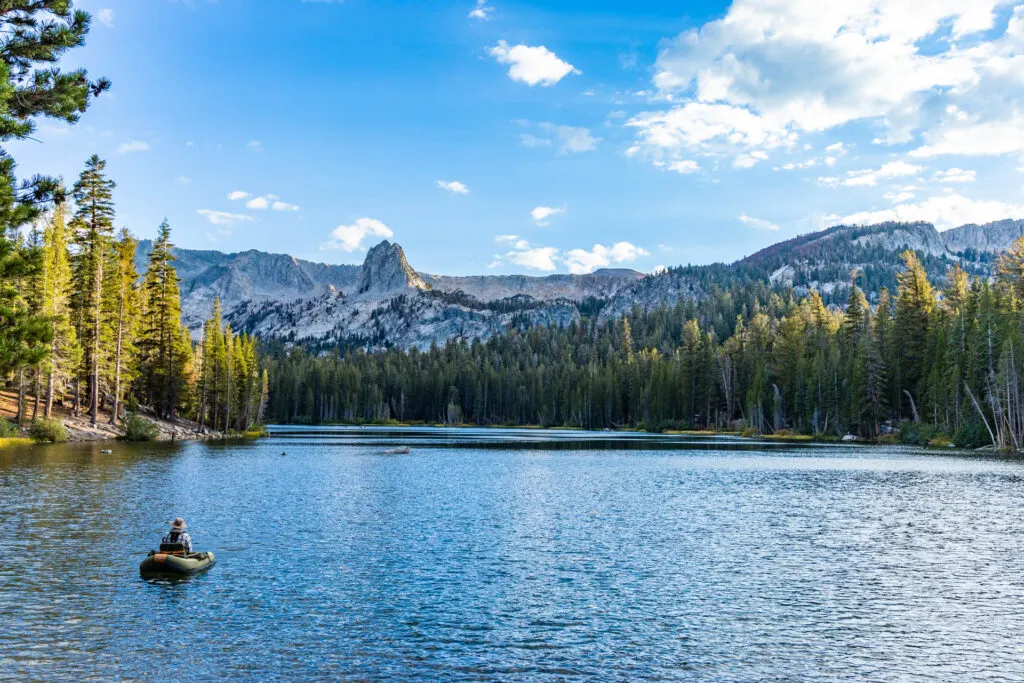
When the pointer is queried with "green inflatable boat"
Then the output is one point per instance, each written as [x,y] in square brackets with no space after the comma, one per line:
[172,560]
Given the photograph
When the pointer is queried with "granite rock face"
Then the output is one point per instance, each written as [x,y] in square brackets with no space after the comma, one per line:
[386,270]
[386,302]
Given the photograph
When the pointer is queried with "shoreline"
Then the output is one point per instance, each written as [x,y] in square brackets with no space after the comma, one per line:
[891,439]
[80,429]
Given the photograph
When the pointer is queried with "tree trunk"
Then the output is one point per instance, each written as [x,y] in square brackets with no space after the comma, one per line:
[202,402]
[20,416]
[94,399]
[980,412]
[35,404]
[913,407]
[117,357]
[48,407]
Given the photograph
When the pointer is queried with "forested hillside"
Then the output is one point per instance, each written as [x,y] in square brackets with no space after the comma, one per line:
[945,361]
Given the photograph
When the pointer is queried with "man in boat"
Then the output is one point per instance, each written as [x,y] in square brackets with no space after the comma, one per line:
[177,534]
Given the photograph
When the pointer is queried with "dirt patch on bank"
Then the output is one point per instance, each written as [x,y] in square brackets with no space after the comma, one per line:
[80,428]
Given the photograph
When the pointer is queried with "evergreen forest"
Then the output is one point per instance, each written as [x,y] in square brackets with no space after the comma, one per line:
[934,362]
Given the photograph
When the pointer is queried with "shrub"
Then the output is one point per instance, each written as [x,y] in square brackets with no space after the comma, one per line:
[749,432]
[972,435]
[136,428]
[47,430]
[918,434]
[8,430]
[255,432]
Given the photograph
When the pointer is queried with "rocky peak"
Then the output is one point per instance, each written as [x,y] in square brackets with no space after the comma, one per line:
[991,237]
[386,270]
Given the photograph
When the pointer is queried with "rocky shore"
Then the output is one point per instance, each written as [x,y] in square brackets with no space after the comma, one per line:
[80,429]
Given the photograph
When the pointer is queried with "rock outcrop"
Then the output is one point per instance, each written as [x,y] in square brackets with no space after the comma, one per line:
[991,237]
[386,271]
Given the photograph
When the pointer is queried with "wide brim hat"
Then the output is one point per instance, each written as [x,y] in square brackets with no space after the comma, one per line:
[178,524]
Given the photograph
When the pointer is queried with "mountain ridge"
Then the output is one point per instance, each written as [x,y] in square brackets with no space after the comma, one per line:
[386,302]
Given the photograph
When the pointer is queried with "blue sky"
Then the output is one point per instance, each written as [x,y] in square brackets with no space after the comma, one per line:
[540,137]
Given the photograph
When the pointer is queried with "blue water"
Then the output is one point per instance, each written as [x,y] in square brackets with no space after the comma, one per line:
[488,554]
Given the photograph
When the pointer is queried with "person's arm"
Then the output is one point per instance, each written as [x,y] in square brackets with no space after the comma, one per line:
[188,543]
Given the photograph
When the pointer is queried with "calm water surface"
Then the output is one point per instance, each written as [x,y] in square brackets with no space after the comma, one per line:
[514,555]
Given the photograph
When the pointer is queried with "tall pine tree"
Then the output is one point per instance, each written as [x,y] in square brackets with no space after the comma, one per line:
[94,229]
[161,343]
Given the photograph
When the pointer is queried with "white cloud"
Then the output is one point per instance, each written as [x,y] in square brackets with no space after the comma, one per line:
[943,211]
[532,65]
[184,179]
[223,218]
[578,261]
[572,140]
[482,11]
[268,201]
[522,253]
[581,261]
[133,146]
[988,138]
[749,160]
[684,166]
[898,194]
[869,177]
[796,66]
[806,163]
[955,175]
[254,145]
[530,140]
[658,269]
[758,223]
[105,17]
[351,237]
[708,129]
[540,214]
[537,258]
[455,187]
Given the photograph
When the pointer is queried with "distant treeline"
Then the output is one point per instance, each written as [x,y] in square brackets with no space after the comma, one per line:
[943,361]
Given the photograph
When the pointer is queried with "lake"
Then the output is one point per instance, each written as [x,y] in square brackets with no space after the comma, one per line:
[513,554]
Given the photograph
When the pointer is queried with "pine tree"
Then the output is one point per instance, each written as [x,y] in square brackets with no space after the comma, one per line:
[25,334]
[37,34]
[160,343]
[65,353]
[94,228]
[915,300]
[1010,267]
[123,316]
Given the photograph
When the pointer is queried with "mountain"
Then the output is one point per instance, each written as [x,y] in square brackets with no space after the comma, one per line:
[386,302]
[386,271]
[823,261]
[247,276]
[280,295]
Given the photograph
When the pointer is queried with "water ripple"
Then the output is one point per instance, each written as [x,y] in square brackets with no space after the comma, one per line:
[476,563]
